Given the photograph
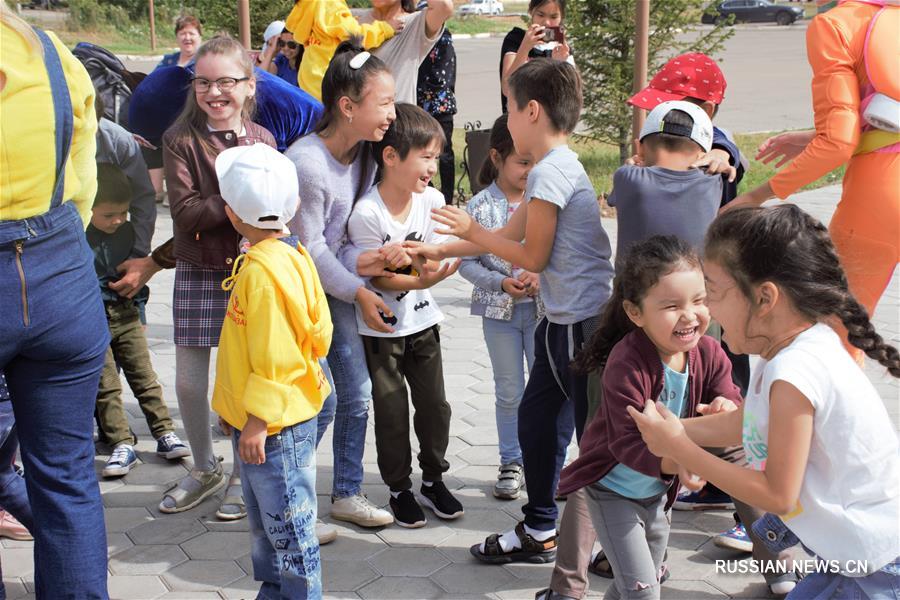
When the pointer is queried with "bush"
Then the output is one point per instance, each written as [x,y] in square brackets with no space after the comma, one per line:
[221,15]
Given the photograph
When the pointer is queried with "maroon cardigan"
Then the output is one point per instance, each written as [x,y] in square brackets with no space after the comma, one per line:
[203,234]
[633,373]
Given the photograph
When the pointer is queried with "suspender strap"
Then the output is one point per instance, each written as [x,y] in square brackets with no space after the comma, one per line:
[62,111]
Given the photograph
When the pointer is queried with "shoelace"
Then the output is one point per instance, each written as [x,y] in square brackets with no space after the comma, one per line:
[169,439]
[120,454]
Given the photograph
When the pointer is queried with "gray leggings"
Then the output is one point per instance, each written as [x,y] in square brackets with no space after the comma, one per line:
[634,535]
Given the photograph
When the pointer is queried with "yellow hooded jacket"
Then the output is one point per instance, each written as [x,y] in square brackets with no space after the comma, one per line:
[277,328]
[320,25]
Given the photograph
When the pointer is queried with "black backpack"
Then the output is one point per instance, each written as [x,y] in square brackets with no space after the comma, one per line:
[110,78]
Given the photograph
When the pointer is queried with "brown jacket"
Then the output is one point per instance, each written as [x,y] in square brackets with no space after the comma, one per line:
[203,234]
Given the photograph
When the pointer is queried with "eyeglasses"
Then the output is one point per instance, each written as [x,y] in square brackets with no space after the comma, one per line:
[225,84]
[292,45]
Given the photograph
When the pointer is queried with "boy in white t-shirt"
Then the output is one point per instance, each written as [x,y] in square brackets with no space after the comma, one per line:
[399,208]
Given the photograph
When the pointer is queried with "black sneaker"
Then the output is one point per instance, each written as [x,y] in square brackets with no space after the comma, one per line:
[439,499]
[407,512]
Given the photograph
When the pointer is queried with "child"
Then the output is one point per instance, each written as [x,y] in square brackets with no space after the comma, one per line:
[216,116]
[774,280]
[519,45]
[320,27]
[112,237]
[506,297]
[398,208]
[565,242]
[269,385]
[666,196]
[650,344]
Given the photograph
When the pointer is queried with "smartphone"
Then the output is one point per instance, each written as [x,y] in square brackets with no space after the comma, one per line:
[553,34]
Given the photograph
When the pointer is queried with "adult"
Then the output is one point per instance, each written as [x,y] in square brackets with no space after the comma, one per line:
[404,52]
[436,94]
[853,58]
[189,33]
[53,336]
[280,54]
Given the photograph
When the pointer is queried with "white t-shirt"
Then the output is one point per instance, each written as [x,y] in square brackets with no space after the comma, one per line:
[849,504]
[371,226]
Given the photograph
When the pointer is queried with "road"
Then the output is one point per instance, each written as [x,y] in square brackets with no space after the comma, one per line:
[766,69]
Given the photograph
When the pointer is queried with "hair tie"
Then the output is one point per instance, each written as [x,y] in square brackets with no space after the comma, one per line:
[359,60]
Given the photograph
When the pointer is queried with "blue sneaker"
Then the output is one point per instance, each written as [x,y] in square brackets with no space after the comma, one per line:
[735,538]
[708,498]
[121,461]
[170,447]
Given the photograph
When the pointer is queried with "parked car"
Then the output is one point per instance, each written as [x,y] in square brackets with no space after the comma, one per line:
[482,7]
[753,11]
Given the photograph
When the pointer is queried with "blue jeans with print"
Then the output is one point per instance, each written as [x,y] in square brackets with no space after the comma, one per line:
[348,403]
[53,339]
[506,342]
[280,495]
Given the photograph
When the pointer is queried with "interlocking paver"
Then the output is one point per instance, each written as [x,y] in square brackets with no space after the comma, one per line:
[392,562]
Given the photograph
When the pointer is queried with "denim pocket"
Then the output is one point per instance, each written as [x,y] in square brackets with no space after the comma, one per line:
[302,438]
[774,533]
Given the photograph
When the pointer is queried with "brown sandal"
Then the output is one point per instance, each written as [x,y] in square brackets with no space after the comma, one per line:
[531,551]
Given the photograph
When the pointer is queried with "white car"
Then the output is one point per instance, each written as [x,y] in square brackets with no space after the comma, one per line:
[482,7]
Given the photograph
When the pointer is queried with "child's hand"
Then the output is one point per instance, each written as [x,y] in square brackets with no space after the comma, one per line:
[533,37]
[531,281]
[635,160]
[252,443]
[662,431]
[372,307]
[561,51]
[717,162]
[689,480]
[429,277]
[513,287]
[397,23]
[456,221]
[784,146]
[371,264]
[718,405]
[425,251]
[225,426]
[395,255]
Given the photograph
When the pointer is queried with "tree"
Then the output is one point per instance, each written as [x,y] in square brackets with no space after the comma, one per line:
[603,31]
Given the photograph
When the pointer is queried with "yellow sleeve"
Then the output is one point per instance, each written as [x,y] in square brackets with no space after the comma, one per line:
[273,365]
[83,153]
[835,93]
[339,23]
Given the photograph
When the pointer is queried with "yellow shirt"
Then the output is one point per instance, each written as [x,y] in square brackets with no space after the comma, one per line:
[277,328]
[27,131]
[320,25]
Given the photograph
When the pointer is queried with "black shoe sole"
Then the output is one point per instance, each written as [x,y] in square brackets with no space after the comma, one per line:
[441,515]
[538,558]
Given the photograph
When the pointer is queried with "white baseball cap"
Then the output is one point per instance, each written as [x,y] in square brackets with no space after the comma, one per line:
[259,184]
[701,132]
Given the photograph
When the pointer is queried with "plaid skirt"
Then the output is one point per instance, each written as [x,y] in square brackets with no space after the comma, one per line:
[200,304]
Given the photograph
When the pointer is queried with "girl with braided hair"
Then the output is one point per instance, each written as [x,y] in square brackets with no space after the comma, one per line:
[821,448]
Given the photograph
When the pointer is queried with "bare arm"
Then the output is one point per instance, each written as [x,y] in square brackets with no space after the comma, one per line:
[437,14]
[718,430]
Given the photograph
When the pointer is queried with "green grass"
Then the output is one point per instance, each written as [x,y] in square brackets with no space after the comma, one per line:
[478,24]
[601,161]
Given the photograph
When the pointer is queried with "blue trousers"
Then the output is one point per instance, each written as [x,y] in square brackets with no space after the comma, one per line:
[53,338]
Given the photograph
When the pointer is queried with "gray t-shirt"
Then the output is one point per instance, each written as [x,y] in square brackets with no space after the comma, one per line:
[577,280]
[404,52]
[656,201]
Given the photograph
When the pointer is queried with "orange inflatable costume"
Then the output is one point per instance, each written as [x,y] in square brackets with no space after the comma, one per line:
[852,57]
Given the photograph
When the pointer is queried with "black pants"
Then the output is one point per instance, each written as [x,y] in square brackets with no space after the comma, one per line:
[446,162]
[394,362]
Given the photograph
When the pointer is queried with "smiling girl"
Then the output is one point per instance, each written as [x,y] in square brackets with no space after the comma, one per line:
[216,116]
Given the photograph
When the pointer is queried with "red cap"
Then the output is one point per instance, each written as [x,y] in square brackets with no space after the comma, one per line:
[692,75]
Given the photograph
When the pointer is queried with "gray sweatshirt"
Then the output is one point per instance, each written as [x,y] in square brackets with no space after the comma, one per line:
[327,188]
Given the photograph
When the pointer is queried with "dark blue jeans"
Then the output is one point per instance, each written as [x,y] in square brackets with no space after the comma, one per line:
[13,497]
[553,406]
[53,338]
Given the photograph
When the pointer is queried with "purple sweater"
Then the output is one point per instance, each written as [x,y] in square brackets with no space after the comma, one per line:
[633,373]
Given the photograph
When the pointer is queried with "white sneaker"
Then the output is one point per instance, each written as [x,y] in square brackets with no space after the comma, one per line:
[325,533]
[358,510]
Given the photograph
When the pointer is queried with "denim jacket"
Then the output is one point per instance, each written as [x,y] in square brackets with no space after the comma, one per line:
[490,209]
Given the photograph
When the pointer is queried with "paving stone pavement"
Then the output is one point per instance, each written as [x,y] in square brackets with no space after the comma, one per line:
[193,555]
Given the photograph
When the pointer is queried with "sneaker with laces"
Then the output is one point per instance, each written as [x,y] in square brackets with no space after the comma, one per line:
[735,538]
[509,482]
[170,447]
[325,532]
[407,512]
[439,499]
[708,498]
[120,461]
[359,510]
